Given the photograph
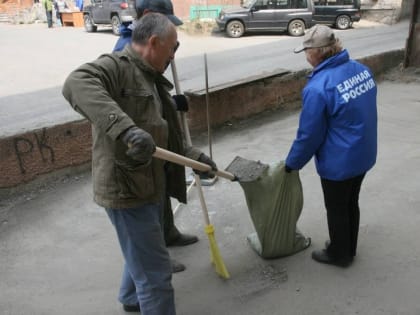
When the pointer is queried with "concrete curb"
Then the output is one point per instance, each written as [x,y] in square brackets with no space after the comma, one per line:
[31,156]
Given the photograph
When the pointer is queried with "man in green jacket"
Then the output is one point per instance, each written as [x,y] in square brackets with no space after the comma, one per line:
[126,98]
[48,6]
[173,237]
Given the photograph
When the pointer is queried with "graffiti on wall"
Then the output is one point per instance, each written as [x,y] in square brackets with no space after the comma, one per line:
[24,146]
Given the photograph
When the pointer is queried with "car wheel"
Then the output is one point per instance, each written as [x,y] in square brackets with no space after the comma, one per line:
[235,29]
[89,25]
[296,28]
[343,22]
[116,23]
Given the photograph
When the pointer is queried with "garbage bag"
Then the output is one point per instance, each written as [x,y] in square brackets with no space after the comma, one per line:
[275,202]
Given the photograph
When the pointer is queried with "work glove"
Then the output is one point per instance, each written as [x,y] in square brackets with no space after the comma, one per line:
[181,102]
[140,143]
[207,160]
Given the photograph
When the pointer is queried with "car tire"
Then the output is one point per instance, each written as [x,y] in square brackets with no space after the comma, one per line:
[115,23]
[296,28]
[89,25]
[235,29]
[342,22]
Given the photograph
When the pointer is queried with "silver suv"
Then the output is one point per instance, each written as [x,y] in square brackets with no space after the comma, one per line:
[293,16]
[112,12]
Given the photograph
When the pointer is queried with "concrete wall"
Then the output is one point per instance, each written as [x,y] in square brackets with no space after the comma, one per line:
[386,11]
[27,157]
[182,8]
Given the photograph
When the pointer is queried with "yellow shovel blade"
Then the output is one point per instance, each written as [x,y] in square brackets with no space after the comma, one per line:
[216,258]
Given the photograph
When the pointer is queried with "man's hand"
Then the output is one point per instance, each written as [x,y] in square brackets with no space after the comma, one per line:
[181,102]
[206,160]
[140,143]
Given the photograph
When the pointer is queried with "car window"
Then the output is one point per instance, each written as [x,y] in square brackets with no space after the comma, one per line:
[280,4]
[334,2]
[247,3]
[299,4]
[261,4]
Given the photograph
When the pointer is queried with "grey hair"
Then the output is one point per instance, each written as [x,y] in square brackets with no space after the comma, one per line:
[149,25]
[329,51]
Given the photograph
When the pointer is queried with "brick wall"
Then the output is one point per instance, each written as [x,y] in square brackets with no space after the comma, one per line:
[14,6]
[26,157]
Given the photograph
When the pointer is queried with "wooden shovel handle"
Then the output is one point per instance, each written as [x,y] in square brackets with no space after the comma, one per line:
[182,160]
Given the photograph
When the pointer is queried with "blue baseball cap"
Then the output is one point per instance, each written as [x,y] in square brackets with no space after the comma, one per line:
[160,6]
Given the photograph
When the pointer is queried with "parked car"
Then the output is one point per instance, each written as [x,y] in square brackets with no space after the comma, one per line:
[112,12]
[339,13]
[293,16]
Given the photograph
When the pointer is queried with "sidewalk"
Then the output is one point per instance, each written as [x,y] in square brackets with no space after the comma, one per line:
[59,254]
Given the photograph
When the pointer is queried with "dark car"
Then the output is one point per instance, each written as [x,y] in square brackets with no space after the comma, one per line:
[293,16]
[339,13]
[112,12]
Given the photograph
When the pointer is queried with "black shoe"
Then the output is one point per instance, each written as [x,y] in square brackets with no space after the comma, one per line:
[327,244]
[132,308]
[182,240]
[177,266]
[323,257]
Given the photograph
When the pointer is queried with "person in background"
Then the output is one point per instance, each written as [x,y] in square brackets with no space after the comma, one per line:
[173,237]
[79,4]
[338,125]
[48,5]
[143,7]
[59,6]
[126,98]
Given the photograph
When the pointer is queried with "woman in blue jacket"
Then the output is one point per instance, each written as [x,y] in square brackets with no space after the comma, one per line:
[338,125]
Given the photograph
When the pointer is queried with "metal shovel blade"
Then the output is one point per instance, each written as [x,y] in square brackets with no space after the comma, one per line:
[246,170]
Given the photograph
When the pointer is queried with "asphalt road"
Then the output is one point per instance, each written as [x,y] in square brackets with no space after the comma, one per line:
[59,254]
[36,60]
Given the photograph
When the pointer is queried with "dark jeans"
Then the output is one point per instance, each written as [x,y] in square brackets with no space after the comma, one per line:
[49,18]
[341,200]
[147,273]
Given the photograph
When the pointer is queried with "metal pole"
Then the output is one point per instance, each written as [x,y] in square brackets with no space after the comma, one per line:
[207,107]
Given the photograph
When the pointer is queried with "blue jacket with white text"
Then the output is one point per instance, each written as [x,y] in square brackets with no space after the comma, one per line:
[338,122]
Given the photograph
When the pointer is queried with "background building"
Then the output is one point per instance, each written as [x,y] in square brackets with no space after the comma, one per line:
[384,11]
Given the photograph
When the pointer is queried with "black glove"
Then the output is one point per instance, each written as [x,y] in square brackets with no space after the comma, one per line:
[181,102]
[140,143]
[206,160]
[287,169]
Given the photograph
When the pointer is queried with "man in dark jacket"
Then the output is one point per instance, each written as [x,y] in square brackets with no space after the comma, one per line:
[143,7]
[126,98]
[338,125]
[173,237]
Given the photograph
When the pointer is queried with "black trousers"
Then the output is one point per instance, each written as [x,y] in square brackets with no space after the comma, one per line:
[170,231]
[341,200]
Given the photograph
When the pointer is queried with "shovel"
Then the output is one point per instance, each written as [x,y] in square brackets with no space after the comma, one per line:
[239,169]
